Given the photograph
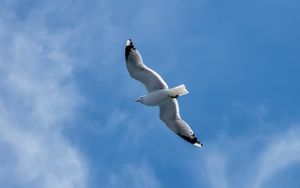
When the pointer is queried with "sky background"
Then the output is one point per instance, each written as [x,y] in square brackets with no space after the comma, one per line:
[67,116]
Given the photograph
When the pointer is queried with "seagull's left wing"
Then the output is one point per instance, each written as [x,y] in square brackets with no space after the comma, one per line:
[137,70]
[169,114]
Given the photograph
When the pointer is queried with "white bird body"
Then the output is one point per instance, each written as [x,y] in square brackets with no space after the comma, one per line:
[159,94]
[154,98]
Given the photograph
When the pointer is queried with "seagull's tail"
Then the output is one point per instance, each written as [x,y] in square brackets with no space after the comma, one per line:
[178,91]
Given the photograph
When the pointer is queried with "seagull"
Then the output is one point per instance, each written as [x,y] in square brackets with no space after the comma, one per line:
[159,94]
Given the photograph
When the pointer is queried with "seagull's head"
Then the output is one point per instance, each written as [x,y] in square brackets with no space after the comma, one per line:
[140,99]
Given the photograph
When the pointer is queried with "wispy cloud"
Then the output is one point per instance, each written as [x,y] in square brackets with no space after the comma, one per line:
[251,160]
[134,175]
[283,150]
[37,99]
[216,169]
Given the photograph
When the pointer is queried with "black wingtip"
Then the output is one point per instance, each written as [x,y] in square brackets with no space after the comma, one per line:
[128,47]
[193,140]
[129,42]
[198,144]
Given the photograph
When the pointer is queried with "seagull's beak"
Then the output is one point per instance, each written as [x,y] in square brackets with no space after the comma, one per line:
[137,100]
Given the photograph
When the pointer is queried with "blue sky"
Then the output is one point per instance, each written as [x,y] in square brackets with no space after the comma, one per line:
[67,116]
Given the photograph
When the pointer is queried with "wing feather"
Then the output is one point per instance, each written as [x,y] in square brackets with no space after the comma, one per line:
[169,114]
[139,71]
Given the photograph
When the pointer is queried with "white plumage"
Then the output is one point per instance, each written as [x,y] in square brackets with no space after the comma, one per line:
[159,94]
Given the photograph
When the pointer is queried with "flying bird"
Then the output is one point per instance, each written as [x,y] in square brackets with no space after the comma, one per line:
[159,94]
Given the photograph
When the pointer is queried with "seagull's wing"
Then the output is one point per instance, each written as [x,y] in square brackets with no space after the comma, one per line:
[141,72]
[169,114]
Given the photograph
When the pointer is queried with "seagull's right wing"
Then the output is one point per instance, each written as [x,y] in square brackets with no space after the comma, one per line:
[169,114]
[141,72]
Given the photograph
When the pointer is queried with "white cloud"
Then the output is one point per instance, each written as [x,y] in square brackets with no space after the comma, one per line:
[135,176]
[37,99]
[216,169]
[283,151]
[250,161]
